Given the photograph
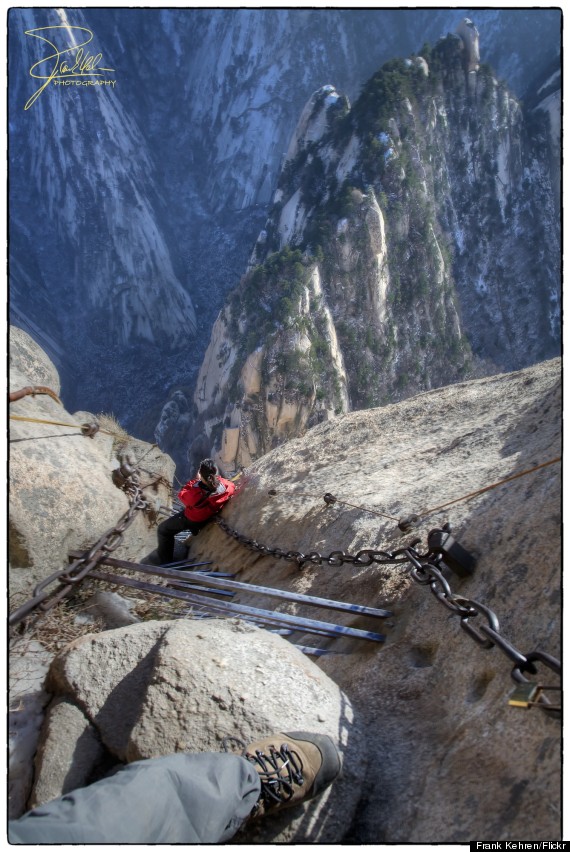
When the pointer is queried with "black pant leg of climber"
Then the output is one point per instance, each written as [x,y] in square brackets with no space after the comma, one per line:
[168,529]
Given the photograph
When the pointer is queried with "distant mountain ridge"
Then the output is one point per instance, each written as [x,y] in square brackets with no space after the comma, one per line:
[134,211]
[413,242]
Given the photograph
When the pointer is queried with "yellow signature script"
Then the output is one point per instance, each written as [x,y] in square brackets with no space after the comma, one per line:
[69,66]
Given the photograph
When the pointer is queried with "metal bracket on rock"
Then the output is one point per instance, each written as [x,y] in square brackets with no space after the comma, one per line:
[89,429]
[527,694]
[453,554]
[125,475]
[408,523]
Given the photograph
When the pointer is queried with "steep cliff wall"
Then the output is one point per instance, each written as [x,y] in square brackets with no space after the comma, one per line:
[124,290]
[413,242]
[449,759]
[62,493]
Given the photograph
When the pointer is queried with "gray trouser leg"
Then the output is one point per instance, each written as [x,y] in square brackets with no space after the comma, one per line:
[182,798]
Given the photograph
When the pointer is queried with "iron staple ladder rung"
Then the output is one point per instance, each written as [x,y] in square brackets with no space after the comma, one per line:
[341,606]
[285,630]
[224,583]
[240,609]
[271,625]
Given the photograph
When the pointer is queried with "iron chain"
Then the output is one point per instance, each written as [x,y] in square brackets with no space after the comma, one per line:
[425,570]
[362,559]
[66,578]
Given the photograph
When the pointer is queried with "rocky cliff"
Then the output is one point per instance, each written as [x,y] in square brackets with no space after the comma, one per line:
[434,751]
[62,491]
[413,241]
[135,208]
[118,288]
[449,759]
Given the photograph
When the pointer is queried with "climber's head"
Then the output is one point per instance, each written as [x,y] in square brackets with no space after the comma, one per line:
[208,472]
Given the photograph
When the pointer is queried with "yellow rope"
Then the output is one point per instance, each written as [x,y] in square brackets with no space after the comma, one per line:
[57,423]
[489,487]
[427,512]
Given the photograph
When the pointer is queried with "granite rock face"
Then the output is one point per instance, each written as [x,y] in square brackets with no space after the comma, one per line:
[403,251]
[62,495]
[451,760]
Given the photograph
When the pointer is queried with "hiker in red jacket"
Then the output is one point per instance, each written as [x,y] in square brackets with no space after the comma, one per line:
[203,498]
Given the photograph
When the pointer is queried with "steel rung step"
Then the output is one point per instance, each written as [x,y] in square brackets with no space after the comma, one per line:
[281,618]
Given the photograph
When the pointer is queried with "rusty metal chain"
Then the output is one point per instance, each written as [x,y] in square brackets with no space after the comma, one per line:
[43,598]
[426,571]
[14,396]
[362,559]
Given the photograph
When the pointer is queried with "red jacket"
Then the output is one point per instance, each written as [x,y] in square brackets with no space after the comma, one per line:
[201,504]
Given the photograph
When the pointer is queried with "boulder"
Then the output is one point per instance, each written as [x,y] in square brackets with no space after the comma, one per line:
[160,688]
[107,675]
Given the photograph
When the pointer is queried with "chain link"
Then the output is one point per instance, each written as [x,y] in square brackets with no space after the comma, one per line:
[43,598]
[336,558]
[425,570]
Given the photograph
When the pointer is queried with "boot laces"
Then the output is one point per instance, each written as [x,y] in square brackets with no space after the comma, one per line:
[278,771]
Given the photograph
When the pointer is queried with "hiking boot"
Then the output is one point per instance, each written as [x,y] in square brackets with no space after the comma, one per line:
[293,768]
